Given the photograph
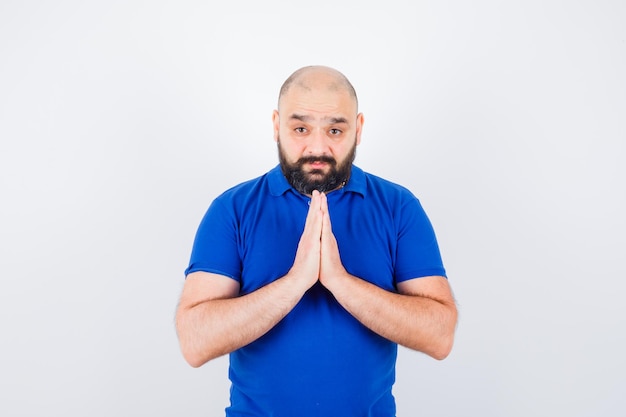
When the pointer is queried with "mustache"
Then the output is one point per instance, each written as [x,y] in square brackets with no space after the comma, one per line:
[317,158]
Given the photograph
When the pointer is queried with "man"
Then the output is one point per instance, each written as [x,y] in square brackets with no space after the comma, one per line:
[310,275]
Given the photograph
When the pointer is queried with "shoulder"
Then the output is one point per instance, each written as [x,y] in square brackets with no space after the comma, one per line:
[245,191]
[388,198]
[250,195]
[382,188]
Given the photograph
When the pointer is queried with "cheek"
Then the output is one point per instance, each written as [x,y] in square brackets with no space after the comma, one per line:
[291,150]
[340,152]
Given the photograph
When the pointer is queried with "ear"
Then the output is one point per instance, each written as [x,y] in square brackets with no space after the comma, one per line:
[359,127]
[276,123]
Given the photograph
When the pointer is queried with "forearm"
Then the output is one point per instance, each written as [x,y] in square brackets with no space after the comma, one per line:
[212,328]
[417,322]
[222,322]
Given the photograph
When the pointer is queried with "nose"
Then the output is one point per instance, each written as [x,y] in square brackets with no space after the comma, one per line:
[317,143]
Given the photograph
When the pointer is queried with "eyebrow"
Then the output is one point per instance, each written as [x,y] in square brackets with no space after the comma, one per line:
[332,120]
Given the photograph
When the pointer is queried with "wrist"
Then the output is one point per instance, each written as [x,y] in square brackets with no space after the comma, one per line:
[337,282]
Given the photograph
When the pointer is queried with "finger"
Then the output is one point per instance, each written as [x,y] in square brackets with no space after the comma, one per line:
[325,212]
[314,206]
[315,200]
[313,222]
[323,203]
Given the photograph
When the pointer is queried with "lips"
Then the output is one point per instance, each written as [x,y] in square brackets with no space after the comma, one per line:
[318,164]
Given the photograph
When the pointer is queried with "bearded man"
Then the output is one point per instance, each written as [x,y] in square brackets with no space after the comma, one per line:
[311,275]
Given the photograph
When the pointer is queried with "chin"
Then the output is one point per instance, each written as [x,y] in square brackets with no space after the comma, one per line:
[316,177]
[318,172]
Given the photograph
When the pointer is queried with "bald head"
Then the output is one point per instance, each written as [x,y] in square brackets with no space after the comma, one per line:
[317,77]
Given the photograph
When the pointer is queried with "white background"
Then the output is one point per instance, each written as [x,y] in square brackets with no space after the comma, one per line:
[120,121]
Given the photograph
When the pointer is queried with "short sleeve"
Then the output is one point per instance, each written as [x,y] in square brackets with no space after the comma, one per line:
[418,252]
[215,247]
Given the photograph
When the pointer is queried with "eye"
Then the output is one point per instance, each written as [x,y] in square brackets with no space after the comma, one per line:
[335,132]
[300,129]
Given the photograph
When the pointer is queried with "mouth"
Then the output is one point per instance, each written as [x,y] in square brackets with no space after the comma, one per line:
[317,164]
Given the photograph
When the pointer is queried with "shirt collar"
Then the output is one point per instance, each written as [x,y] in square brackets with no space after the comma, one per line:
[278,183]
[357,182]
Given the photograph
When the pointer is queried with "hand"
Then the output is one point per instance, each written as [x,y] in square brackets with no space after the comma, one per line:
[331,267]
[306,266]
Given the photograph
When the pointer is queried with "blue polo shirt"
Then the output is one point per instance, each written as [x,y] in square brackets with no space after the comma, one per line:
[319,360]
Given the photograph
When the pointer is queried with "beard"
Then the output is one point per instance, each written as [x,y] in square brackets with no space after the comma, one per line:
[315,179]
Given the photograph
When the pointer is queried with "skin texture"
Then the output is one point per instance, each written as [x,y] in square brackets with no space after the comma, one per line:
[317,116]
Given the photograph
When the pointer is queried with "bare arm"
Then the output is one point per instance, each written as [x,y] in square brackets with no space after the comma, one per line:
[422,316]
[212,319]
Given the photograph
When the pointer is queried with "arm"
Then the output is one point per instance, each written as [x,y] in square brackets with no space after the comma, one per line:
[212,320]
[422,316]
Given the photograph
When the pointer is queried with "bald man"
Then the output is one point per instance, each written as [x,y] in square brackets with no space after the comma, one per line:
[310,275]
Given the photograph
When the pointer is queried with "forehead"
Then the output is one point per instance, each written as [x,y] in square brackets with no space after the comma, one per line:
[318,101]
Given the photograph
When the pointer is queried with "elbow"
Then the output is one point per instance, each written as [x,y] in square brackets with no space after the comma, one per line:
[443,344]
[194,357]
[188,344]
[193,354]
[194,361]
[442,349]
[190,355]
[197,354]
[437,347]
